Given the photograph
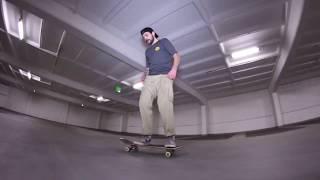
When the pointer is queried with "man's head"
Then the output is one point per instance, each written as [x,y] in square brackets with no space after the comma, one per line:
[148,35]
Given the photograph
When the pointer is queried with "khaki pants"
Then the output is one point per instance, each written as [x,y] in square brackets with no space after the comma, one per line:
[160,87]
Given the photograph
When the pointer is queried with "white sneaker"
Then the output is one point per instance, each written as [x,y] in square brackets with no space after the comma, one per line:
[171,142]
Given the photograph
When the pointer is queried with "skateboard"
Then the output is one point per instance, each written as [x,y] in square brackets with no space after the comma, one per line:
[131,146]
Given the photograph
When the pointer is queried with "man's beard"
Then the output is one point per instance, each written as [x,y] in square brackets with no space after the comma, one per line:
[150,41]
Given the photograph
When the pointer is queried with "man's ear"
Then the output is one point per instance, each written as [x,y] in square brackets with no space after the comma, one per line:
[153,34]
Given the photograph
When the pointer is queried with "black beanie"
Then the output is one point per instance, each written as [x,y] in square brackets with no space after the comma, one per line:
[148,29]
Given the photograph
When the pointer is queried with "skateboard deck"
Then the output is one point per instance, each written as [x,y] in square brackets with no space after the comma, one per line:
[131,146]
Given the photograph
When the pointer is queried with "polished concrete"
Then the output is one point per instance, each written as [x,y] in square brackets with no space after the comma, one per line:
[35,149]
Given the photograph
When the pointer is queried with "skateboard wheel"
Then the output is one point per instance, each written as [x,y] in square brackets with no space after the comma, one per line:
[134,148]
[131,148]
[168,154]
[128,149]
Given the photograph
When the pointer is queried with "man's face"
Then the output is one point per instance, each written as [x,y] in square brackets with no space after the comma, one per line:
[148,38]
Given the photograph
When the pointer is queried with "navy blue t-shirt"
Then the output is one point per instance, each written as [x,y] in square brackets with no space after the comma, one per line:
[159,57]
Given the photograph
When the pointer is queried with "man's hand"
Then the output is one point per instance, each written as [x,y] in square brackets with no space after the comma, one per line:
[172,74]
[143,77]
[144,74]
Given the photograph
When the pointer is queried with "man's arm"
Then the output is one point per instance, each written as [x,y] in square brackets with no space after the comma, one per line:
[146,70]
[176,61]
[145,73]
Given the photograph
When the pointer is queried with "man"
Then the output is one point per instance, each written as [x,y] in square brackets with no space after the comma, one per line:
[162,62]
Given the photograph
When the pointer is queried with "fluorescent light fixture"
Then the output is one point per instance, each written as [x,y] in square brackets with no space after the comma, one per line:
[102,99]
[106,100]
[245,52]
[34,91]
[99,98]
[29,75]
[36,78]
[22,72]
[40,33]
[222,47]
[5,14]
[20,28]
[138,86]
[232,63]
[125,83]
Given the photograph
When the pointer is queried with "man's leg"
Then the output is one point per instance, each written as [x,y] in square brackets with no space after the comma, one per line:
[165,103]
[145,104]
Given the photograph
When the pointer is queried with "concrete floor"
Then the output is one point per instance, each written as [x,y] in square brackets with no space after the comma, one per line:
[34,149]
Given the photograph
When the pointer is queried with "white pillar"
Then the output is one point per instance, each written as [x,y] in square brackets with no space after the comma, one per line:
[277,108]
[99,120]
[204,119]
[67,113]
[124,122]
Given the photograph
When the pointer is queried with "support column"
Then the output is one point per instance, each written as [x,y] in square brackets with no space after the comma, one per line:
[277,109]
[67,113]
[204,119]
[124,122]
[99,120]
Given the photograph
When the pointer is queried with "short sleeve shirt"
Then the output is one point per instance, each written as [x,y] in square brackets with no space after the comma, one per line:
[159,57]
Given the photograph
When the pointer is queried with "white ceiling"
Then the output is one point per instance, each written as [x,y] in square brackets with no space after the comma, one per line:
[88,46]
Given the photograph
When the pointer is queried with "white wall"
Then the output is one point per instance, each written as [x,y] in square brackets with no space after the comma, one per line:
[81,116]
[134,123]
[242,112]
[17,100]
[4,93]
[40,106]
[251,111]
[36,105]
[300,101]
[111,122]
[188,119]
[47,108]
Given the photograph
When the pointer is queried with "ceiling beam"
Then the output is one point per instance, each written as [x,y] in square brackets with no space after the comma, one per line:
[293,21]
[200,61]
[301,76]
[96,36]
[211,78]
[84,29]
[59,96]
[64,81]
[254,68]
[195,48]
[269,73]
[205,72]
[205,16]
[237,91]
